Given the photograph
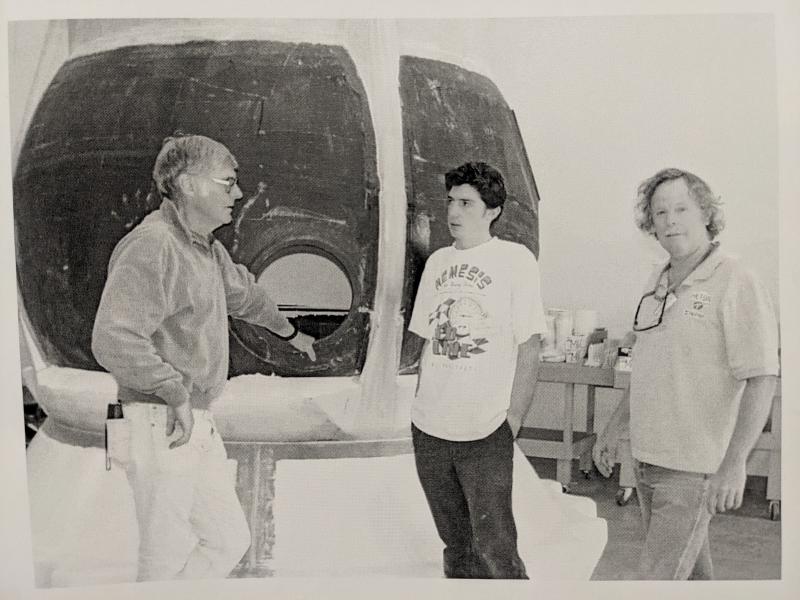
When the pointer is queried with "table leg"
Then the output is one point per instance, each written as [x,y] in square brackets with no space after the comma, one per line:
[564,464]
[590,401]
[585,462]
[256,490]
[774,474]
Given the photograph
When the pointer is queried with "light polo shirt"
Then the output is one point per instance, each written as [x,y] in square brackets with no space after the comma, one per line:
[688,373]
[474,307]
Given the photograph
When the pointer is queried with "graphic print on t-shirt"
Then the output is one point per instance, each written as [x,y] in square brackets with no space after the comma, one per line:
[458,326]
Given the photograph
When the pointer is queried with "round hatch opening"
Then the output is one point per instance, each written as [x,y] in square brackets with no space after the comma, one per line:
[310,288]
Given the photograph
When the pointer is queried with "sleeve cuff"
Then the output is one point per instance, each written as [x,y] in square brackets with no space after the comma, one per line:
[174,395]
[741,374]
[287,338]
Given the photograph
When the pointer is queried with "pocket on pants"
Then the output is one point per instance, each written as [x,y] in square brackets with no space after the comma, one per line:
[679,490]
[118,440]
[173,459]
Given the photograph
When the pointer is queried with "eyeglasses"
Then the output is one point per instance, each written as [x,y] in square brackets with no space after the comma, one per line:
[228,182]
[650,312]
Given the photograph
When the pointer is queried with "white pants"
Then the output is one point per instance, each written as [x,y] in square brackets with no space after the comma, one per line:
[191,524]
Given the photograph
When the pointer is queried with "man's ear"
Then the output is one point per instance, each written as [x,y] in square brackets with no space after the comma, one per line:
[185,184]
[494,212]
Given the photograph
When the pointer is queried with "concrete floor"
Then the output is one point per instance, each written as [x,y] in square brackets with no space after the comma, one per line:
[745,544]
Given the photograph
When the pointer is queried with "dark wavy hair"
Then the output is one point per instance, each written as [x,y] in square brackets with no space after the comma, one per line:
[487,180]
[699,190]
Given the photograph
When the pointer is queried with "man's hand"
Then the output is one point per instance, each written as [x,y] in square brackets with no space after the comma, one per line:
[182,414]
[604,452]
[526,373]
[304,343]
[727,488]
[727,484]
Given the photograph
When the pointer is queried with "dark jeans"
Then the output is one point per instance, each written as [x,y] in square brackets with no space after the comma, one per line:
[468,487]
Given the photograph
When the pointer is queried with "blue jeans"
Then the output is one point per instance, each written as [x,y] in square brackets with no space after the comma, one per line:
[675,515]
[468,488]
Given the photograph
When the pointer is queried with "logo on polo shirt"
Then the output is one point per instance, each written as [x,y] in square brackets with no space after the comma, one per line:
[698,305]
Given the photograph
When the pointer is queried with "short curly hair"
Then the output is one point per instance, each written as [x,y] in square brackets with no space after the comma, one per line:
[183,153]
[699,190]
[487,180]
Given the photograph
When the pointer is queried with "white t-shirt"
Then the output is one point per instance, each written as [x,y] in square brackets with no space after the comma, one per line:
[474,307]
[688,373]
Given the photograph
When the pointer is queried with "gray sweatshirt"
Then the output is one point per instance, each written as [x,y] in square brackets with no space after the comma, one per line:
[161,329]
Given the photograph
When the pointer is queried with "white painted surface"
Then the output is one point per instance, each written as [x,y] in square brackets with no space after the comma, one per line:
[369,517]
[250,408]
[83,522]
[334,517]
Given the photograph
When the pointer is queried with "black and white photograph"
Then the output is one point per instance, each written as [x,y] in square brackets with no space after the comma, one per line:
[434,301]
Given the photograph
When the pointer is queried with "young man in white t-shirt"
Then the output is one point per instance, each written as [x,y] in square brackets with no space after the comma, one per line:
[479,309]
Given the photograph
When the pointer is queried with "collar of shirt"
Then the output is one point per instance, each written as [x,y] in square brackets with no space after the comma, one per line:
[170,214]
[701,272]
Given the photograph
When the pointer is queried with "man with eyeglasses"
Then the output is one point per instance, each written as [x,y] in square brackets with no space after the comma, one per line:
[702,379]
[161,330]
